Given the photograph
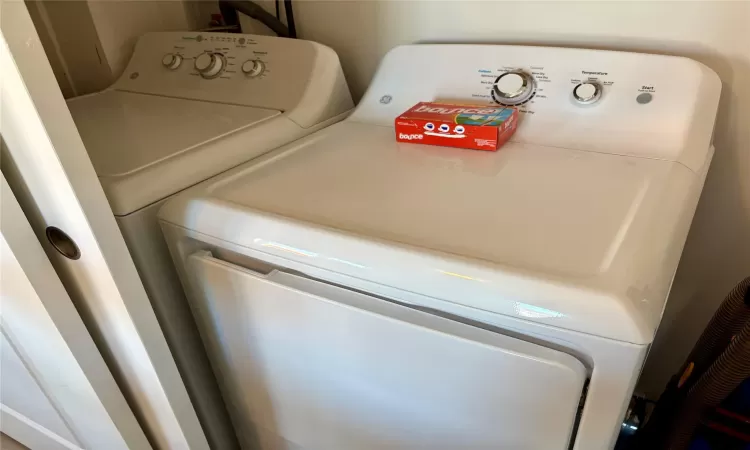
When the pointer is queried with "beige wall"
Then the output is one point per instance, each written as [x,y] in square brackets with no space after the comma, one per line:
[48,37]
[72,46]
[89,42]
[120,23]
[716,33]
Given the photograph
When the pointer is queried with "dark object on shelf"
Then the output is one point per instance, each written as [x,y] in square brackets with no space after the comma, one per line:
[229,9]
[289,11]
[718,363]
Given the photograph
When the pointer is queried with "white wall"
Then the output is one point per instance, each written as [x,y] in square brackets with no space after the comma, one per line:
[716,33]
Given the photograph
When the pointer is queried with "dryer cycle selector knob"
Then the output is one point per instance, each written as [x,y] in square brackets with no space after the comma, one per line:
[210,65]
[171,61]
[253,67]
[513,88]
[587,92]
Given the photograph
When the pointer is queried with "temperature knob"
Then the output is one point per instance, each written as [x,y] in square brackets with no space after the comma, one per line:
[253,67]
[587,92]
[209,65]
[513,88]
[171,61]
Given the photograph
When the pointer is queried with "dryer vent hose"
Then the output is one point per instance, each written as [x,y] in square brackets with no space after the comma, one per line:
[722,377]
[718,363]
[727,322]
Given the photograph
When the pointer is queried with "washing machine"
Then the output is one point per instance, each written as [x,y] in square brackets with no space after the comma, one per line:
[359,293]
[190,106]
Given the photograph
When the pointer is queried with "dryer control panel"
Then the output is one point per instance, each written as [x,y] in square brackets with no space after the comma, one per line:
[606,101]
[260,71]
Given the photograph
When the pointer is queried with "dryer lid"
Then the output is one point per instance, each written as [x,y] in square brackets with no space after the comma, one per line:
[574,239]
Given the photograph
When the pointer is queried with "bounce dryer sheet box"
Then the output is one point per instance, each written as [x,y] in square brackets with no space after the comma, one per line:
[474,127]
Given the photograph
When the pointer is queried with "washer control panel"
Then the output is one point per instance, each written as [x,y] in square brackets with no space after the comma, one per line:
[261,71]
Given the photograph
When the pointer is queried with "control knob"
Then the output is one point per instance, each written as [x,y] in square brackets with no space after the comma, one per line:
[513,88]
[587,92]
[171,61]
[209,65]
[253,67]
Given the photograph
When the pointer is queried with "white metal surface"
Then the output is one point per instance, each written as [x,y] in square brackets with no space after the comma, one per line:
[55,389]
[158,131]
[146,147]
[569,236]
[335,369]
[151,257]
[301,78]
[611,380]
[150,129]
[46,164]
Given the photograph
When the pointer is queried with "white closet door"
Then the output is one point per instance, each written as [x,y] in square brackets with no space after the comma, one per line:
[307,365]
[56,392]
[43,158]
[25,411]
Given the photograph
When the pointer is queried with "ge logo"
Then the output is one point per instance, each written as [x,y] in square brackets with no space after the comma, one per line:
[386,99]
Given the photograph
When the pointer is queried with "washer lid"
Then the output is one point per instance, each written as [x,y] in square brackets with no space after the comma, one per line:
[575,239]
[126,133]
